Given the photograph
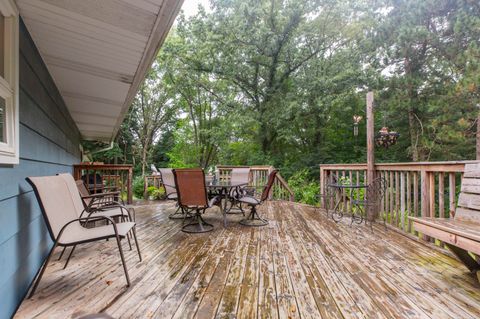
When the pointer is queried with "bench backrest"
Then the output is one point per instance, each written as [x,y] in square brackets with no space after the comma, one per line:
[468,208]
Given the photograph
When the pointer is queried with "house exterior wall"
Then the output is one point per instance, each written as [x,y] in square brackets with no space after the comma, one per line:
[49,144]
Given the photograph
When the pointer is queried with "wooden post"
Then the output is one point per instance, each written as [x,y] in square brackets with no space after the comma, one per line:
[370,147]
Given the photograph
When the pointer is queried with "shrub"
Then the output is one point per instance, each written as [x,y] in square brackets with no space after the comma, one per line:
[138,187]
[155,193]
[305,189]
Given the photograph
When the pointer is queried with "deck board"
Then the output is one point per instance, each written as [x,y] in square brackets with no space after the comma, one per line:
[302,265]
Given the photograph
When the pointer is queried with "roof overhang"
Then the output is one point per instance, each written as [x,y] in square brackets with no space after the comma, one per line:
[98,53]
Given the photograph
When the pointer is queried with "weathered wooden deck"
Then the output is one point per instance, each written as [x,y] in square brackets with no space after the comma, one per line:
[300,266]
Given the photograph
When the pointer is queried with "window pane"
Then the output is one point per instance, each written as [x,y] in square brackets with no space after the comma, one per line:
[2,46]
[3,126]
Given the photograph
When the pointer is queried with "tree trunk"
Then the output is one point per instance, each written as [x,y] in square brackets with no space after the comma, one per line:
[144,159]
[412,129]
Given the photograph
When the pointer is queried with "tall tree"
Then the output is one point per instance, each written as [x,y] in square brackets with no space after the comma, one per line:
[151,111]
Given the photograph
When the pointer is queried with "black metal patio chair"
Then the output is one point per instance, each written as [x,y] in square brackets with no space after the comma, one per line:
[369,206]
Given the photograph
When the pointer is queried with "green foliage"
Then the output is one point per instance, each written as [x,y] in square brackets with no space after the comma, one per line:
[138,184]
[278,82]
[155,193]
[305,190]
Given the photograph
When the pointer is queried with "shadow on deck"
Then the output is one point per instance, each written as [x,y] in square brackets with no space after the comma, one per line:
[300,265]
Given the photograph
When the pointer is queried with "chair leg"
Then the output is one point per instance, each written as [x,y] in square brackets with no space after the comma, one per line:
[180,213]
[254,219]
[123,261]
[237,205]
[42,271]
[129,242]
[136,242]
[61,254]
[69,256]
[133,213]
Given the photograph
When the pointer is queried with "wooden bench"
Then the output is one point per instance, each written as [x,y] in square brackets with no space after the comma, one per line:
[461,234]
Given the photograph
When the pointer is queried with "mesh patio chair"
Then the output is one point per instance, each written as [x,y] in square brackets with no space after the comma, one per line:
[86,209]
[238,176]
[106,203]
[193,196]
[61,209]
[254,219]
[168,181]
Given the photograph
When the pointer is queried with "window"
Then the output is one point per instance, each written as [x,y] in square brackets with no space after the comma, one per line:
[9,127]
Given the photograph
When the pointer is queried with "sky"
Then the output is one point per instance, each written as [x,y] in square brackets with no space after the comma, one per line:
[190,6]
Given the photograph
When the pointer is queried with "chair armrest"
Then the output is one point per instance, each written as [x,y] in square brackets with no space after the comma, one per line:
[100,195]
[97,210]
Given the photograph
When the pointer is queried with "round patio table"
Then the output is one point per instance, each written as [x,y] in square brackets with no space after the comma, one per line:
[222,189]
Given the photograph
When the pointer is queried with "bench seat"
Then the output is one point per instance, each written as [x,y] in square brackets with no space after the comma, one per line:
[460,233]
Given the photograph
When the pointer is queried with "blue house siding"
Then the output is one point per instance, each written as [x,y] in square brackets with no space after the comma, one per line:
[49,144]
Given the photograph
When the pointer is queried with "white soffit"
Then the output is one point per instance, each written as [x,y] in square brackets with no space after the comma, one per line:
[98,52]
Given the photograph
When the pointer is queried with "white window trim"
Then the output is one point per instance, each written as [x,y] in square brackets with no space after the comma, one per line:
[9,151]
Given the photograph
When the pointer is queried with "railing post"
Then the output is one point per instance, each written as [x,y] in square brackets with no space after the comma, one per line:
[370,148]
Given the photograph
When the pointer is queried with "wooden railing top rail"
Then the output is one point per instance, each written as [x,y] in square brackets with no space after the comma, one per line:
[253,167]
[285,185]
[453,166]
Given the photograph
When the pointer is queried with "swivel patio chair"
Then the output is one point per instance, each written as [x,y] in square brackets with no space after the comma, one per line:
[168,181]
[254,219]
[238,176]
[61,208]
[193,197]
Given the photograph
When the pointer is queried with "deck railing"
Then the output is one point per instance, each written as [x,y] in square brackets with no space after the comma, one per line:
[258,179]
[426,189]
[100,177]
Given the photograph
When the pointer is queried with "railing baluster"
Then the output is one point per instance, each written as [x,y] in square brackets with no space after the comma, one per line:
[402,200]
[432,195]
[441,195]
[397,199]
[452,194]
[409,200]
[387,196]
